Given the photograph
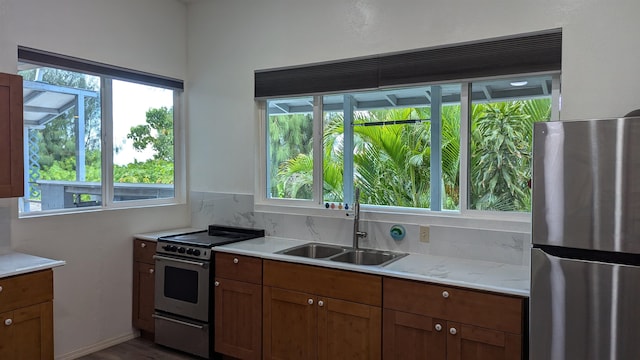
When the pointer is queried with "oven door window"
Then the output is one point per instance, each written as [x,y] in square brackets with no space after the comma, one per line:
[181,284]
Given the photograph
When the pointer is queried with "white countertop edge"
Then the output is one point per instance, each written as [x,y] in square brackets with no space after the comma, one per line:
[282,244]
[17,263]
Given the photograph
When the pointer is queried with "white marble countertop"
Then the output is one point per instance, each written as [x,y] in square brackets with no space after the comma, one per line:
[153,236]
[473,274]
[16,263]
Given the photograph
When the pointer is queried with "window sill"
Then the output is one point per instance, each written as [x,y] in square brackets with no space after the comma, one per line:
[520,222]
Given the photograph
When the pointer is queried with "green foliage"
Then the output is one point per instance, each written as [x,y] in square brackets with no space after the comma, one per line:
[156,171]
[158,132]
[392,162]
[290,154]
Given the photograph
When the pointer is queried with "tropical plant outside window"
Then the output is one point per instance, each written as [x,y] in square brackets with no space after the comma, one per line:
[398,135]
[64,116]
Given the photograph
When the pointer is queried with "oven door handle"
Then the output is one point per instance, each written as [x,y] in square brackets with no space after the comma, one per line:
[156,316]
[198,263]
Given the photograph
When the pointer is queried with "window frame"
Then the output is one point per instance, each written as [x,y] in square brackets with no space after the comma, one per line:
[518,221]
[107,74]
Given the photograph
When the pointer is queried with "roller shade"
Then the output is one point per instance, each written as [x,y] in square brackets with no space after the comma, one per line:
[528,53]
[95,68]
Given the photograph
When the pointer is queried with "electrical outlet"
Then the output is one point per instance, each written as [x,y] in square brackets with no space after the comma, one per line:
[424,234]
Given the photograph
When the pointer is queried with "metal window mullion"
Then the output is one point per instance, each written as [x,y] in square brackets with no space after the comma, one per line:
[179,152]
[106,129]
[555,97]
[436,148]
[348,138]
[465,126]
[317,150]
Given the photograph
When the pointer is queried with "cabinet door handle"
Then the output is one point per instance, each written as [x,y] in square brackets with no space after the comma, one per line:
[438,327]
[8,322]
[143,245]
[453,331]
[151,271]
[445,294]
[217,283]
[235,260]
[310,301]
[320,303]
[0,288]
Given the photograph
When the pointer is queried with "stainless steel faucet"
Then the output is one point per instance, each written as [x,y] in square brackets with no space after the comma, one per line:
[357,234]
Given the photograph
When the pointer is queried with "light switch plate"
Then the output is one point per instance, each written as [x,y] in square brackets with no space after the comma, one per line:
[424,234]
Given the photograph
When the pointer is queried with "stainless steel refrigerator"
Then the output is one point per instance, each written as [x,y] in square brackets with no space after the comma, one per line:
[585,261]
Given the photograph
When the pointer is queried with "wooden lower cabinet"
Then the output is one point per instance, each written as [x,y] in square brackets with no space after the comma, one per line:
[26,316]
[144,286]
[238,306]
[318,313]
[238,319]
[290,325]
[27,333]
[413,337]
[476,343]
[348,330]
[428,321]
[143,296]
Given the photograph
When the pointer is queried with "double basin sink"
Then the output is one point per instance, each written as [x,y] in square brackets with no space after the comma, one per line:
[343,254]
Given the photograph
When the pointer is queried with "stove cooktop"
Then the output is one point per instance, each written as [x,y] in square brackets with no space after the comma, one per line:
[215,236]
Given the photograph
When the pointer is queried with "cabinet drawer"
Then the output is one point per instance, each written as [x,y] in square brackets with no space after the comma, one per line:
[143,251]
[24,290]
[493,311]
[337,284]
[237,267]
[499,312]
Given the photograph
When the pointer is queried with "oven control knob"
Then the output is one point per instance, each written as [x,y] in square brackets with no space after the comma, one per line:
[196,252]
[181,250]
[190,251]
[173,248]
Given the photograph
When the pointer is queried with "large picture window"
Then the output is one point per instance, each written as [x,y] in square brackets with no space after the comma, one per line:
[95,136]
[407,147]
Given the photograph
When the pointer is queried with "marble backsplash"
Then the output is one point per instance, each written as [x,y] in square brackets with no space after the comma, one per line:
[477,244]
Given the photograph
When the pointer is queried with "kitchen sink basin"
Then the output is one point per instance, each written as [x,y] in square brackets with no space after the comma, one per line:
[367,257]
[314,250]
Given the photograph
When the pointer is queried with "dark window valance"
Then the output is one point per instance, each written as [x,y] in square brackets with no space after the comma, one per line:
[528,53]
[95,68]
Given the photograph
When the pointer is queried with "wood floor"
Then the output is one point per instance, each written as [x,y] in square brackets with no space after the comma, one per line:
[138,349]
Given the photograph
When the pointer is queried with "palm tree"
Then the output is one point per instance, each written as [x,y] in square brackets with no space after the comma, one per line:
[392,162]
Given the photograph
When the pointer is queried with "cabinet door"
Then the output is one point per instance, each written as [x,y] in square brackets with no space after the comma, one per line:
[409,336]
[27,333]
[289,325]
[348,330]
[467,342]
[143,296]
[11,132]
[238,319]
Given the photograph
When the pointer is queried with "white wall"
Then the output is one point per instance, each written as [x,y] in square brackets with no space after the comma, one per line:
[93,291]
[228,40]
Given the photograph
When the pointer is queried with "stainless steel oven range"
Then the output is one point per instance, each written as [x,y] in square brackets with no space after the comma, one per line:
[183,295]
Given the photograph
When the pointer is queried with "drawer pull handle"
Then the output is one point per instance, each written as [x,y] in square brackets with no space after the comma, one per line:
[438,327]
[310,301]
[235,260]
[453,331]
[8,322]
[217,283]
[143,245]
[321,303]
[445,294]
[150,271]
[0,288]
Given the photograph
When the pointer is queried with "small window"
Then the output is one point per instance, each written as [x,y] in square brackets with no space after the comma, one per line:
[95,136]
